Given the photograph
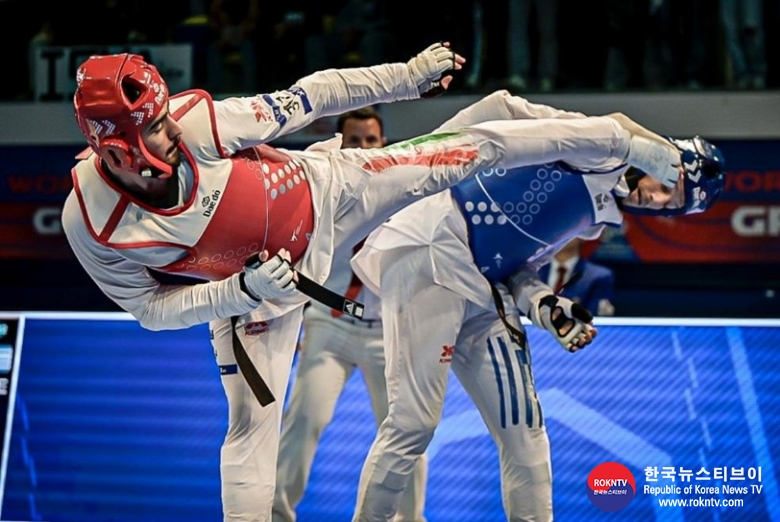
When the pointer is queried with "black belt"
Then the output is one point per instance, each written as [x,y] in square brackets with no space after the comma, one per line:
[253,378]
[318,292]
[517,335]
[306,286]
[329,298]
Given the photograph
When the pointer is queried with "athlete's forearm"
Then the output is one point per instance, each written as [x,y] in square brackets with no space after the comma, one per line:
[525,287]
[176,307]
[243,122]
[168,307]
[339,90]
[131,286]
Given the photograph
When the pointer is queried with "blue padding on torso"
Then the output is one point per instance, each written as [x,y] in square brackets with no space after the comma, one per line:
[517,215]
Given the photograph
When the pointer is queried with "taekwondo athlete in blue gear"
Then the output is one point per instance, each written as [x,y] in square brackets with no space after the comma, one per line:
[558,201]
[445,267]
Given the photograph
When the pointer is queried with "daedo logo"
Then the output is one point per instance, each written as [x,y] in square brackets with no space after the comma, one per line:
[611,486]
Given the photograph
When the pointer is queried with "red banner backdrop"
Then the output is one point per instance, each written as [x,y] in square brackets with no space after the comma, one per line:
[32,231]
[743,227]
[731,231]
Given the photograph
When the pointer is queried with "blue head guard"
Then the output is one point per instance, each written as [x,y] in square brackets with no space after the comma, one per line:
[704,178]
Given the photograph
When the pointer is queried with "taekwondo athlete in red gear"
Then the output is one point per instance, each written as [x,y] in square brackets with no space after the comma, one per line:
[439,267]
[186,184]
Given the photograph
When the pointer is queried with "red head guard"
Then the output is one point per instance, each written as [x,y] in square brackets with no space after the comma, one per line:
[112,122]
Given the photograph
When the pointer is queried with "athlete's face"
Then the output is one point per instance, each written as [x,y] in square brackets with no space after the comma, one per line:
[162,137]
[652,194]
[362,134]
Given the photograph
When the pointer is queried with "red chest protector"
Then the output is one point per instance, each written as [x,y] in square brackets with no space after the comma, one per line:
[266,205]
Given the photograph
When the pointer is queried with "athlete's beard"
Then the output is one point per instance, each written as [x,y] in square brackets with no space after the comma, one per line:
[177,159]
[174,163]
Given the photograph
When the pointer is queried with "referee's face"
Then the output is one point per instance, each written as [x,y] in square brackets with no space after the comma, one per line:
[362,134]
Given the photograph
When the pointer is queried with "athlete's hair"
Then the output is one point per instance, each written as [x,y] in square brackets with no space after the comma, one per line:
[365,113]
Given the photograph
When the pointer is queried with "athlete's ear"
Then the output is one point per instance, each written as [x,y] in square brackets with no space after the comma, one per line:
[384,140]
[117,154]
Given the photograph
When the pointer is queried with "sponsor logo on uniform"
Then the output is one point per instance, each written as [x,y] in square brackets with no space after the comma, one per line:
[210,202]
[694,173]
[261,110]
[302,99]
[280,118]
[601,201]
[284,104]
[447,352]
[297,231]
[255,328]
[352,308]
[698,195]
[498,258]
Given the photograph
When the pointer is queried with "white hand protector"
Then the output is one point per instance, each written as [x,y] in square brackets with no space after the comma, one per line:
[659,160]
[570,323]
[268,279]
[428,66]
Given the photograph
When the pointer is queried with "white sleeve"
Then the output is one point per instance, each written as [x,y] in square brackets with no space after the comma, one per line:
[501,105]
[132,287]
[248,121]
[526,288]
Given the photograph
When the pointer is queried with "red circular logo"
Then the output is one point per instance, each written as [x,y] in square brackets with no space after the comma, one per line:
[611,486]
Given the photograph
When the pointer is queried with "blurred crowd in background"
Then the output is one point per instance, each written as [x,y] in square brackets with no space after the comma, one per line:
[247,46]
[527,46]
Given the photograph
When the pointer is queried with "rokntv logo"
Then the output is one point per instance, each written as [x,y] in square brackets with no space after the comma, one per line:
[611,486]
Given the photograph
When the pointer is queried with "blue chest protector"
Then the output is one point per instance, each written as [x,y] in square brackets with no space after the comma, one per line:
[515,216]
